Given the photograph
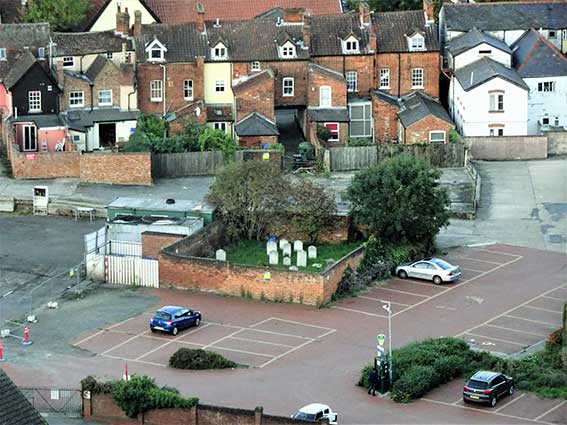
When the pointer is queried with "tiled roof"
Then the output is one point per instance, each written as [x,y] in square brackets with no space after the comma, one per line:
[387,97]
[15,409]
[472,39]
[219,113]
[327,32]
[10,11]
[83,43]
[328,114]
[95,68]
[184,42]
[485,69]
[416,106]
[535,56]
[505,16]
[18,36]
[392,29]
[20,66]
[256,124]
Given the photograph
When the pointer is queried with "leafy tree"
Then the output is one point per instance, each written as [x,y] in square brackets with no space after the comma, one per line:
[216,140]
[313,209]
[401,201]
[60,14]
[150,132]
[248,195]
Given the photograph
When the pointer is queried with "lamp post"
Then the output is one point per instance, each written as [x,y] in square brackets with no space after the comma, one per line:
[388,308]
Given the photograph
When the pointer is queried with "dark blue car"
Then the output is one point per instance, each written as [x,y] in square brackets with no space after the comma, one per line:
[172,319]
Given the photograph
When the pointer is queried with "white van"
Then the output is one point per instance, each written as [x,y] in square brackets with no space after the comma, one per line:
[317,412]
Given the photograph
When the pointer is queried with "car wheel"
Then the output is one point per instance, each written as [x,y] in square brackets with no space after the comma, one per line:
[402,274]
[465,400]
[153,330]
[511,390]
[437,280]
[493,401]
[174,331]
[197,321]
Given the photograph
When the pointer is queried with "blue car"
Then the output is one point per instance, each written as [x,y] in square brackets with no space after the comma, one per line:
[172,319]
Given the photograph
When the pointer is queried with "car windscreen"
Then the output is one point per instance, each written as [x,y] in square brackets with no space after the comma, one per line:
[304,416]
[443,264]
[162,315]
[477,385]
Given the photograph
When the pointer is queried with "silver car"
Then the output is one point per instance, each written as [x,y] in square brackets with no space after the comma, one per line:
[434,269]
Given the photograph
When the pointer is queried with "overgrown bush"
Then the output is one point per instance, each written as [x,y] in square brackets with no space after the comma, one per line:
[197,359]
[414,383]
[454,137]
[323,133]
[360,141]
[95,387]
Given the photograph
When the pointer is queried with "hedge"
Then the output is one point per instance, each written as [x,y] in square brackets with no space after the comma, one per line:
[197,359]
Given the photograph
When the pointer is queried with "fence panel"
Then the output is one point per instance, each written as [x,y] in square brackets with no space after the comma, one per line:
[55,400]
[186,164]
[352,158]
[124,248]
[132,271]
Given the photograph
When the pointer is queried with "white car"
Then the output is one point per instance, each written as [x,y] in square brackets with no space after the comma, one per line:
[316,412]
[434,269]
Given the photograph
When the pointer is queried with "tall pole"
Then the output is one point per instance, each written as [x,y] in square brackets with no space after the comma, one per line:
[390,340]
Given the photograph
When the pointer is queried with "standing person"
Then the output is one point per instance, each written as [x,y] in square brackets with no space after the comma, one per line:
[373,381]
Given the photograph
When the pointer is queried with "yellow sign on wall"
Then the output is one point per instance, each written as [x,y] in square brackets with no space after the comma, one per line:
[267,276]
[266,155]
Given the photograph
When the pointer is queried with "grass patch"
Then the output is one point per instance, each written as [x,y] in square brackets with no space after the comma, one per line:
[253,253]
[197,359]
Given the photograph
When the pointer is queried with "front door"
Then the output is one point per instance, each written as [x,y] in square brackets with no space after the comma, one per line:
[30,138]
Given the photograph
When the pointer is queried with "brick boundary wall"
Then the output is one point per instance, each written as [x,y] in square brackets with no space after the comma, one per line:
[101,407]
[117,168]
[153,242]
[556,142]
[507,147]
[45,165]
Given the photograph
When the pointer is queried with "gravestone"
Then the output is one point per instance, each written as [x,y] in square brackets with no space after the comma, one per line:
[220,255]
[301,259]
[271,246]
[287,261]
[293,268]
[312,252]
[287,250]
[298,246]
[317,265]
[283,242]
[273,257]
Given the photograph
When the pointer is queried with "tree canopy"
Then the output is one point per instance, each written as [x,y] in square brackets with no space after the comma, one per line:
[61,15]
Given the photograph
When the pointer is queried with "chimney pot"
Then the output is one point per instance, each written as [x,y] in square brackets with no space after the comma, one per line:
[200,17]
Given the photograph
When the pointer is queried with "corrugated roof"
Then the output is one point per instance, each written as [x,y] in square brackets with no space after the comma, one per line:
[393,28]
[534,56]
[474,38]
[256,124]
[15,409]
[485,69]
[86,43]
[505,16]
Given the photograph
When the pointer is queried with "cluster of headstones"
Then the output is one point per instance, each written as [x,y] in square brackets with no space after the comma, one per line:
[286,248]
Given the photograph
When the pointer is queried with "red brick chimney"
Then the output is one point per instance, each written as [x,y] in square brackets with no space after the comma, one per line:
[372,39]
[364,12]
[122,21]
[294,14]
[429,9]
[306,30]
[137,30]
[200,17]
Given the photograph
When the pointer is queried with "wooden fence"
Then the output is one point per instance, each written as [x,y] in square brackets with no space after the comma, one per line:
[356,158]
[203,163]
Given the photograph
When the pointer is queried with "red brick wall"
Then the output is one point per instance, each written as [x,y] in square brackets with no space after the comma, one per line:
[256,96]
[363,65]
[338,89]
[256,141]
[419,131]
[295,69]
[176,73]
[46,165]
[117,168]
[385,120]
[153,242]
[402,64]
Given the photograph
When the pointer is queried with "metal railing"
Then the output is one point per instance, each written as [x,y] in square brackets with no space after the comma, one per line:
[67,401]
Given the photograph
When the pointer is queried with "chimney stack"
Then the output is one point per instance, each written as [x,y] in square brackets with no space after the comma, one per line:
[429,10]
[307,31]
[372,39]
[137,31]
[364,12]
[294,14]
[200,17]
[122,21]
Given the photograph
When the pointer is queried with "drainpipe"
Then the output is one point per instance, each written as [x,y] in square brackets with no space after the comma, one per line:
[163,93]
[399,73]
[91,85]
[135,86]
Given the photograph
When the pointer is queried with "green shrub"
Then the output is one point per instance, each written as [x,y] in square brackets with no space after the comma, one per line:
[363,381]
[323,133]
[414,383]
[360,141]
[454,137]
[91,384]
[187,358]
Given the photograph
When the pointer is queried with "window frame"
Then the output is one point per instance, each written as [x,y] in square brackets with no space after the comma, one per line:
[323,89]
[554,37]
[35,100]
[414,46]
[156,86]
[220,86]
[41,53]
[292,87]
[3,54]
[354,45]
[188,86]
[74,96]
[438,132]
[387,72]
[414,78]
[365,118]
[546,87]
[288,51]
[255,66]
[70,61]
[99,97]
[156,49]
[350,88]
[222,124]
[496,102]
[219,52]
[337,138]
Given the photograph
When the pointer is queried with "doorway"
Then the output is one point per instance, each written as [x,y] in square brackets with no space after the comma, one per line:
[107,135]
[30,138]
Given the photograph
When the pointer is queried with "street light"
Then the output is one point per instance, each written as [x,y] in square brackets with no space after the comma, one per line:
[388,308]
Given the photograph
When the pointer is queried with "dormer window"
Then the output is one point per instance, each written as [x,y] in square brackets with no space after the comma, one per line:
[41,53]
[220,51]
[156,51]
[2,54]
[351,45]
[288,50]
[416,43]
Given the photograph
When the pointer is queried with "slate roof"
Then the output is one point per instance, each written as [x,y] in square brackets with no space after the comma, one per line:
[18,69]
[328,114]
[219,113]
[81,119]
[15,409]
[327,32]
[86,43]
[474,38]
[18,36]
[184,42]
[485,69]
[256,124]
[386,97]
[393,27]
[417,106]
[535,56]
[95,68]
[41,121]
[313,67]
[249,80]
[10,11]
[505,16]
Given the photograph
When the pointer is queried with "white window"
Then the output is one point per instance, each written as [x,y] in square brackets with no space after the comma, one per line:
[351,45]
[361,122]
[76,138]
[325,96]
[188,89]
[109,55]
[552,35]
[219,86]
[288,86]
[76,99]
[417,43]
[222,126]
[417,78]
[156,53]
[104,97]
[156,91]
[385,78]
[351,79]
[287,50]
[556,122]
[496,102]
[546,86]
[3,53]
[436,137]
[68,62]
[219,51]
[41,52]
[545,120]
[255,66]
[333,131]
[34,101]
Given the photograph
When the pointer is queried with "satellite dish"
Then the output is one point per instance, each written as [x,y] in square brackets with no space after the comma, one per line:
[197,111]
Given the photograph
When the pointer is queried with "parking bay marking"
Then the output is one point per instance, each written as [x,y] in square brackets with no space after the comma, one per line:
[401,292]
[496,339]
[101,331]
[262,342]
[516,330]
[510,402]
[534,321]
[174,340]
[358,311]
[551,410]
[544,309]
[382,301]
[553,298]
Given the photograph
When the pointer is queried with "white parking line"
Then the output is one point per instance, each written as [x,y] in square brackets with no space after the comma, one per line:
[544,309]
[516,330]
[382,301]
[122,343]
[505,341]
[497,252]
[132,360]
[300,323]
[476,259]
[223,338]
[261,322]
[402,292]
[551,410]
[262,342]
[510,402]
[285,354]
[534,321]
[103,330]
[174,340]
[276,333]
[352,310]
[553,298]
[242,351]
[413,282]
[472,270]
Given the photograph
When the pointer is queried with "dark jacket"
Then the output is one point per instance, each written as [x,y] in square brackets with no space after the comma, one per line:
[373,378]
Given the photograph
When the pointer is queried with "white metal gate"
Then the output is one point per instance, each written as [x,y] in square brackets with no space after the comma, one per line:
[135,271]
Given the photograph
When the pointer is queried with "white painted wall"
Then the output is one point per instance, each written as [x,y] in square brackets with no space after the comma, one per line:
[470,110]
[87,61]
[546,104]
[107,20]
[124,129]
[124,92]
[473,55]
